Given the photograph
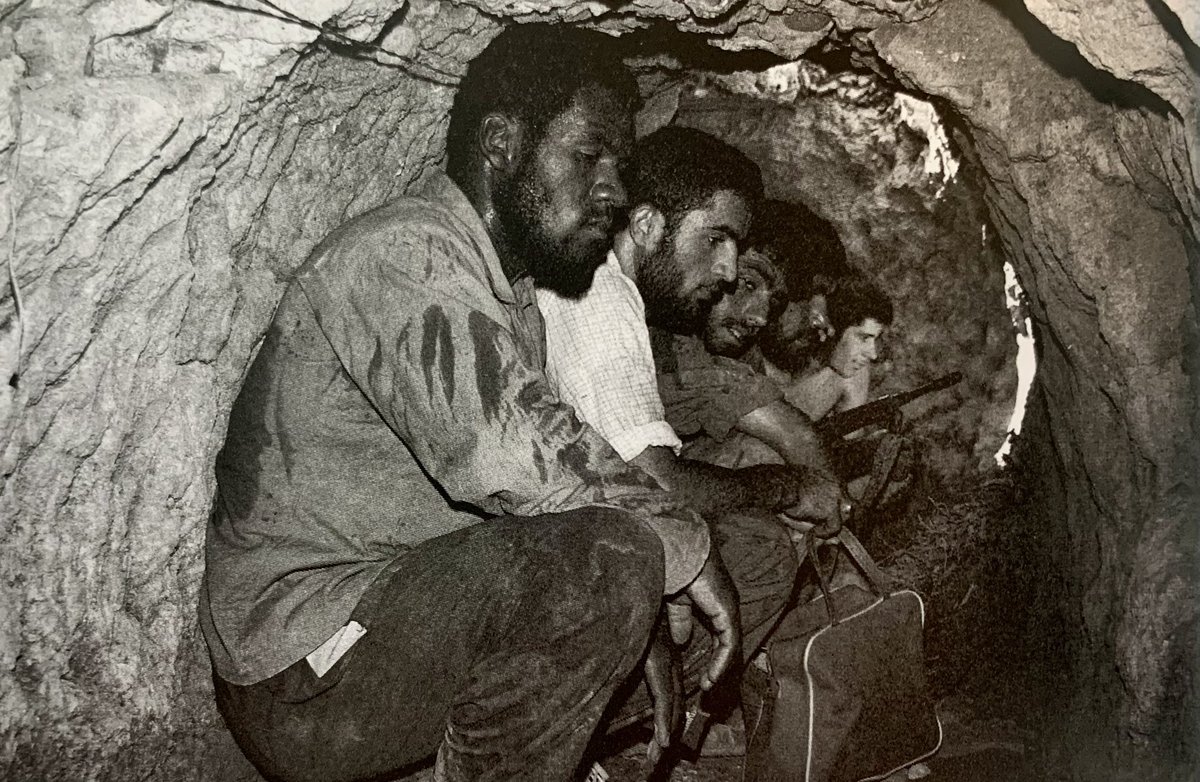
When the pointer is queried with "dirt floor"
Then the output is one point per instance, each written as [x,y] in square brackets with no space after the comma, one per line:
[977,746]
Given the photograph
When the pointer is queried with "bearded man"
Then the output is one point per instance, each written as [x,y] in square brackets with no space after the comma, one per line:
[416,548]
[710,383]
[692,200]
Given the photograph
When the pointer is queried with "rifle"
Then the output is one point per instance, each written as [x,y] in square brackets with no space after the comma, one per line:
[878,410]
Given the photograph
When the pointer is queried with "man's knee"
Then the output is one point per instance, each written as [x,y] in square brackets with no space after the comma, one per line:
[607,542]
[757,550]
[611,569]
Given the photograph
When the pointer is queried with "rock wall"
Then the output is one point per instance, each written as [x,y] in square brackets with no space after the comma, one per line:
[174,164]
[1092,186]
[168,163]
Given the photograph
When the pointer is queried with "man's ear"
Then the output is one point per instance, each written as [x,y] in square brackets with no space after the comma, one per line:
[500,140]
[647,227]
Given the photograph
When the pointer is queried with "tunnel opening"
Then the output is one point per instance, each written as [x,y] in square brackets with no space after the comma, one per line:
[151,259]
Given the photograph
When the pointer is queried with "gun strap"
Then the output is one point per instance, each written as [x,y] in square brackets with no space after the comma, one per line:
[881,470]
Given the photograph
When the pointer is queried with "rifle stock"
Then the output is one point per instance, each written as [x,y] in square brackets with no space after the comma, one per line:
[879,410]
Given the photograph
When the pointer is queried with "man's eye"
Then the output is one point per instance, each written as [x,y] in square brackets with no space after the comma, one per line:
[746,284]
[588,155]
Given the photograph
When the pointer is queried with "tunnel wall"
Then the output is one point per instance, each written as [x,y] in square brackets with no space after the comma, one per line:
[175,164]
[1093,194]
[151,253]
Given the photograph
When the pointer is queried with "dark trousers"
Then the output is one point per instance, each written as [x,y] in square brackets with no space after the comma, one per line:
[761,559]
[498,647]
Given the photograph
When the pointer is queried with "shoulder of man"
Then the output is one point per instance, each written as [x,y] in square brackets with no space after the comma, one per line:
[431,236]
[412,217]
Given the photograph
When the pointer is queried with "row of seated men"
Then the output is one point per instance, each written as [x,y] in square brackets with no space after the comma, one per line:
[454,516]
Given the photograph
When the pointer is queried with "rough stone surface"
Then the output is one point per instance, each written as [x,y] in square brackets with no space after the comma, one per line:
[1110,265]
[170,163]
[166,202]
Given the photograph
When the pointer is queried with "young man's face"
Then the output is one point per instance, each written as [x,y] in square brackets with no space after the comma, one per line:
[737,317]
[559,206]
[857,347]
[692,267]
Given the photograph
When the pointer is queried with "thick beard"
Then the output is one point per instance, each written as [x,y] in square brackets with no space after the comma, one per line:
[659,281]
[715,347]
[565,266]
[789,355]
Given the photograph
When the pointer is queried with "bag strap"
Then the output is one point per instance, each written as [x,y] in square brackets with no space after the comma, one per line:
[880,584]
[810,541]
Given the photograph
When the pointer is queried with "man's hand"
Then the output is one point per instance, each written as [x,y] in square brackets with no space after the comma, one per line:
[714,595]
[664,679]
[824,505]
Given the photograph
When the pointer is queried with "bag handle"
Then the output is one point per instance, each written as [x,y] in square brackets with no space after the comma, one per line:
[880,584]
[810,541]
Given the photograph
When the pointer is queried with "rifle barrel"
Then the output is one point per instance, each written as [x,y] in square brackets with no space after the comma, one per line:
[880,409]
[945,381]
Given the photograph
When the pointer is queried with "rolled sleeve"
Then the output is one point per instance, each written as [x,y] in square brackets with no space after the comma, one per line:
[631,442]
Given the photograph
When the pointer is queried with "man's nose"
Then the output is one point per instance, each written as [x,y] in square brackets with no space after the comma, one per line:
[725,267]
[755,316]
[871,351]
[608,188]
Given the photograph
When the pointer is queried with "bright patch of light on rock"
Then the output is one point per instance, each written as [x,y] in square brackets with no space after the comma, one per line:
[1018,307]
[923,118]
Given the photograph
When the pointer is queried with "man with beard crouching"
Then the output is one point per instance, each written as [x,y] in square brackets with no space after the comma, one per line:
[416,548]
[692,201]
[692,197]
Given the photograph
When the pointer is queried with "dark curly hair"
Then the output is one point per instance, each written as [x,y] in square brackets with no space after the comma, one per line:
[805,247]
[677,170]
[532,72]
[854,298]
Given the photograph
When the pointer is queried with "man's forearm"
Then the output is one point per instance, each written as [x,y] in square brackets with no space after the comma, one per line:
[789,432]
[713,490]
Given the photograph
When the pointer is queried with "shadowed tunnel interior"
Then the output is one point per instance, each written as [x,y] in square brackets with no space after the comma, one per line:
[168,165]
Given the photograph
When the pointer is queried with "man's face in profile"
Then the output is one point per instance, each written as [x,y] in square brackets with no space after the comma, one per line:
[695,264]
[857,347]
[792,339]
[736,319]
[559,206]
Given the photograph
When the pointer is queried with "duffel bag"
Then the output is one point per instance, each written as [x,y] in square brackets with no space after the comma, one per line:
[847,697]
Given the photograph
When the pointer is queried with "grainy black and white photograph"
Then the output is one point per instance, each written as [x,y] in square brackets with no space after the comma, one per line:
[599,390]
